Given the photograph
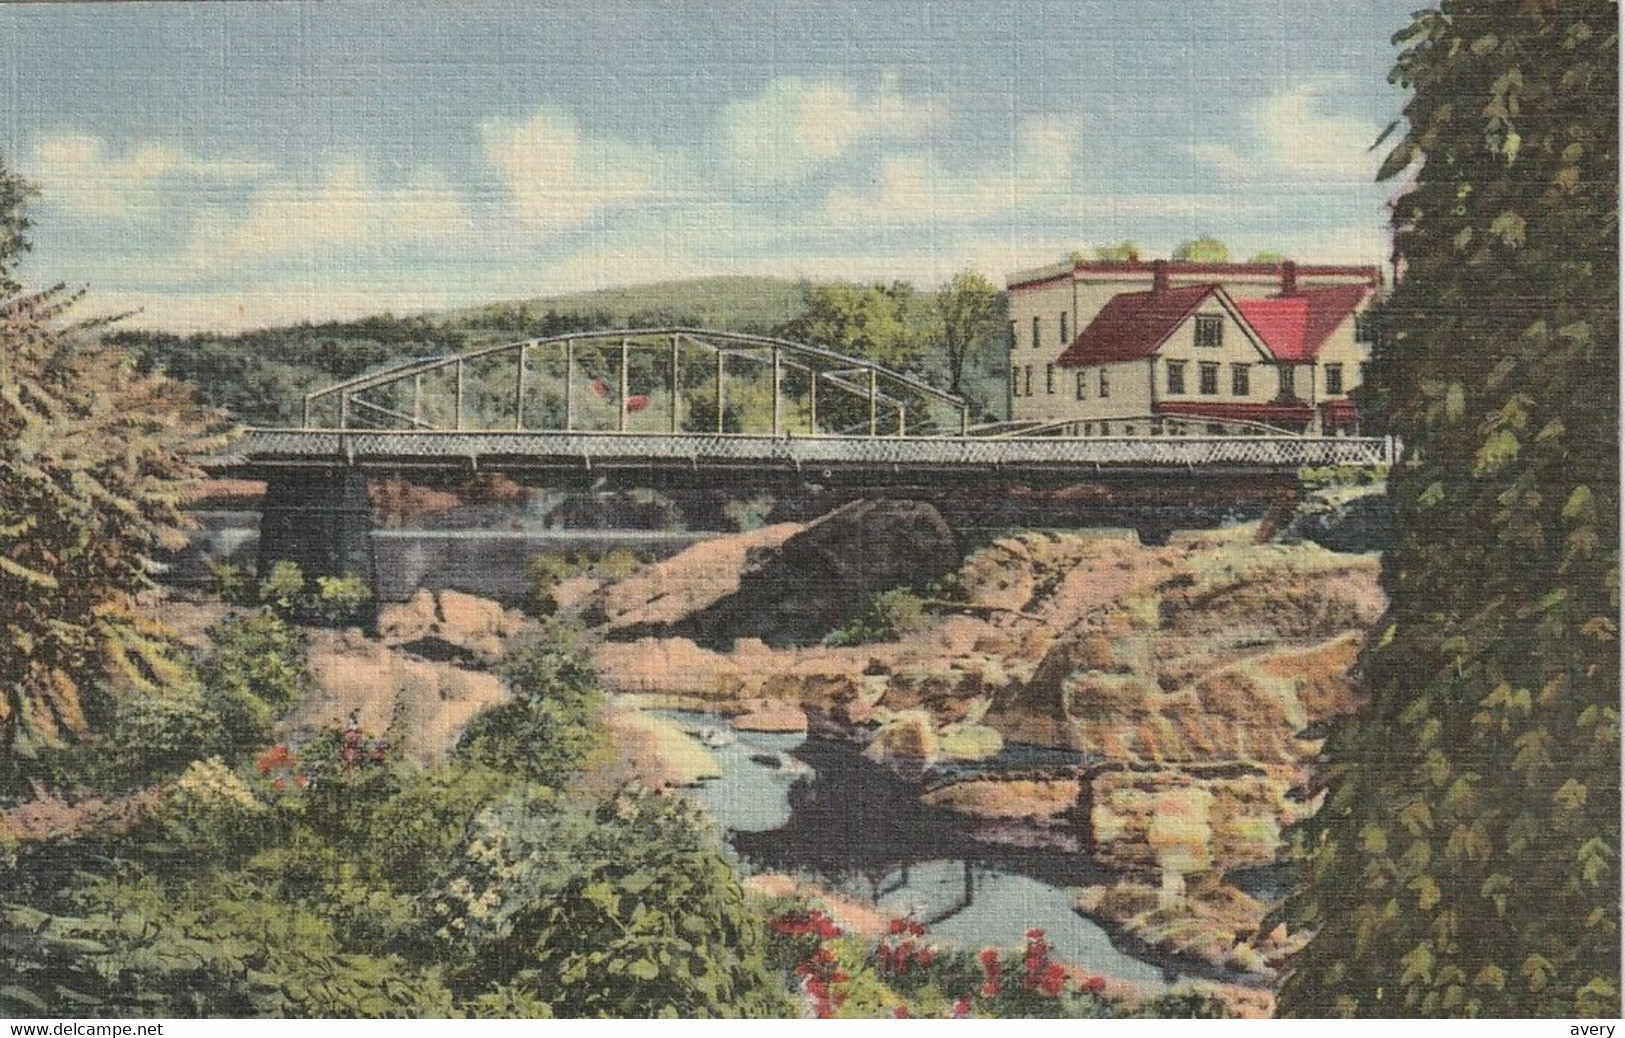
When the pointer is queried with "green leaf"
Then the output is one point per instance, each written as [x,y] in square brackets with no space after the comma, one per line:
[644,969]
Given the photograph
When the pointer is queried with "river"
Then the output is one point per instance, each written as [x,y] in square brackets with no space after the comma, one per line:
[817,808]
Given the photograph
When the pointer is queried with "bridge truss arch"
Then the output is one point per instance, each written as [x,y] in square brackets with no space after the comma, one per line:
[673,381]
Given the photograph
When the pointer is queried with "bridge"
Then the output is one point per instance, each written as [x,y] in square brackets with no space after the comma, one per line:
[694,408]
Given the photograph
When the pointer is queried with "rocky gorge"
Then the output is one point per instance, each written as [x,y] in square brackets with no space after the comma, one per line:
[1194,682]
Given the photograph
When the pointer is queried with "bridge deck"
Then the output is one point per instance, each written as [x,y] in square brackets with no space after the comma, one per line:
[266,450]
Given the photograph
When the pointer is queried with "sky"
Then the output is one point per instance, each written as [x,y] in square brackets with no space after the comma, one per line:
[222,166]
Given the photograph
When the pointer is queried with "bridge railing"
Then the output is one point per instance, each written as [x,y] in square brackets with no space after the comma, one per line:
[590,450]
[633,379]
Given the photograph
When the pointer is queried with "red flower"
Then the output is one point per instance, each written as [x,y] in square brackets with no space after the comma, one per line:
[600,387]
[1095,984]
[989,957]
[280,784]
[1054,981]
[636,403]
[961,1009]
[1035,934]
[301,780]
[900,1013]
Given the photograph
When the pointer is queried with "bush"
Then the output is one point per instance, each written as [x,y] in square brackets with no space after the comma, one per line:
[627,911]
[889,616]
[550,727]
[256,673]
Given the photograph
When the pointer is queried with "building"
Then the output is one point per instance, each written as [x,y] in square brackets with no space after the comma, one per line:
[1160,348]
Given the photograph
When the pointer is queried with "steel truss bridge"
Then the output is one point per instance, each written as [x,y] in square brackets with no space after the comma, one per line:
[690,405]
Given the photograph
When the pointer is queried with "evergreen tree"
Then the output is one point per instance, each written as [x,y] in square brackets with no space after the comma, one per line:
[1466,858]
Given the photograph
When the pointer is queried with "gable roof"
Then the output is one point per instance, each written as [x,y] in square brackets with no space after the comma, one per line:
[1295,327]
[1133,324]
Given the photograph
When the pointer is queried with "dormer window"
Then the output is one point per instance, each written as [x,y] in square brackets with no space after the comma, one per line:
[1209,330]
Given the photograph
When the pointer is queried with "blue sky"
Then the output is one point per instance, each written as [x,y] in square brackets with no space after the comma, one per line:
[229,165]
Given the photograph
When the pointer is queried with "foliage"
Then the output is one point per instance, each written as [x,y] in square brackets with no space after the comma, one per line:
[905,974]
[629,911]
[1205,249]
[1267,256]
[971,315]
[330,601]
[92,469]
[547,570]
[550,727]
[1466,859]
[877,322]
[1122,252]
[224,709]
[888,616]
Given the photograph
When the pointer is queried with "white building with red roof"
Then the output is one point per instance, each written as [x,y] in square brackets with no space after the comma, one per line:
[1125,349]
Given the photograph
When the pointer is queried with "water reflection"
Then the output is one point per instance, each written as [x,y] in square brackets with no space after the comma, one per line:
[862,830]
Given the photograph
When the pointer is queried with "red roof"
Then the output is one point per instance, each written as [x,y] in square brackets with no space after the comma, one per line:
[1133,324]
[1294,327]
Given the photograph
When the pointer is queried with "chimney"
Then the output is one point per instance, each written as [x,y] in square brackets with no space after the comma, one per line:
[1289,278]
[1159,277]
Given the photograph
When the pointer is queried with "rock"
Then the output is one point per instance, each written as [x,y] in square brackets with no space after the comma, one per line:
[970,742]
[772,716]
[659,754]
[660,596]
[991,797]
[1158,821]
[1345,519]
[426,703]
[907,738]
[450,626]
[796,592]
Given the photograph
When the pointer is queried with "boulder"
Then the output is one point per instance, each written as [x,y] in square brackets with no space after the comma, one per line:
[908,738]
[450,625]
[798,591]
[772,716]
[969,742]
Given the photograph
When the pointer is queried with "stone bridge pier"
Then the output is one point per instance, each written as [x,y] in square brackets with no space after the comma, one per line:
[320,519]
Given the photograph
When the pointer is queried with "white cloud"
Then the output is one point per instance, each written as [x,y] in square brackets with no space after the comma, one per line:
[795,126]
[914,188]
[560,179]
[346,212]
[1292,135]
[80,171]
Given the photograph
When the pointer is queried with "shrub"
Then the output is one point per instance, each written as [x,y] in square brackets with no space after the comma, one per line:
[283,587]
[627,911]
[256,672]
[546,732]
[889,616]
[340,600]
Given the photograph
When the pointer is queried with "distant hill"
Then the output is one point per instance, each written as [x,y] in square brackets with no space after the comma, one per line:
[736,303]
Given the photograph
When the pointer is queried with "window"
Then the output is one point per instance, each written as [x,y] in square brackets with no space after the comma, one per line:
[1365,327]
[1210,379]
[1209,330]
[1365,372]
[1214,429]
[1128,430]
[1088,428]
[1015,380]
[1334,380]
[1288,380]
[1049,379]
[1176,377]
[1027,382]
[1105,384]
[1065,338]
[1083,385]
[1241,379]
[1013,342]
[1035,333]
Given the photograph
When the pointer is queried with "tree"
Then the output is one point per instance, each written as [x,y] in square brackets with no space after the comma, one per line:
[1202,250]
[1466,858]
[92,470]
[876,322]
[1267,256]
[1122,252]
[971,313]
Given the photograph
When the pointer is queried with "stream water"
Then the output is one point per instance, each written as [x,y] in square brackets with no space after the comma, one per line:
[790,803]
